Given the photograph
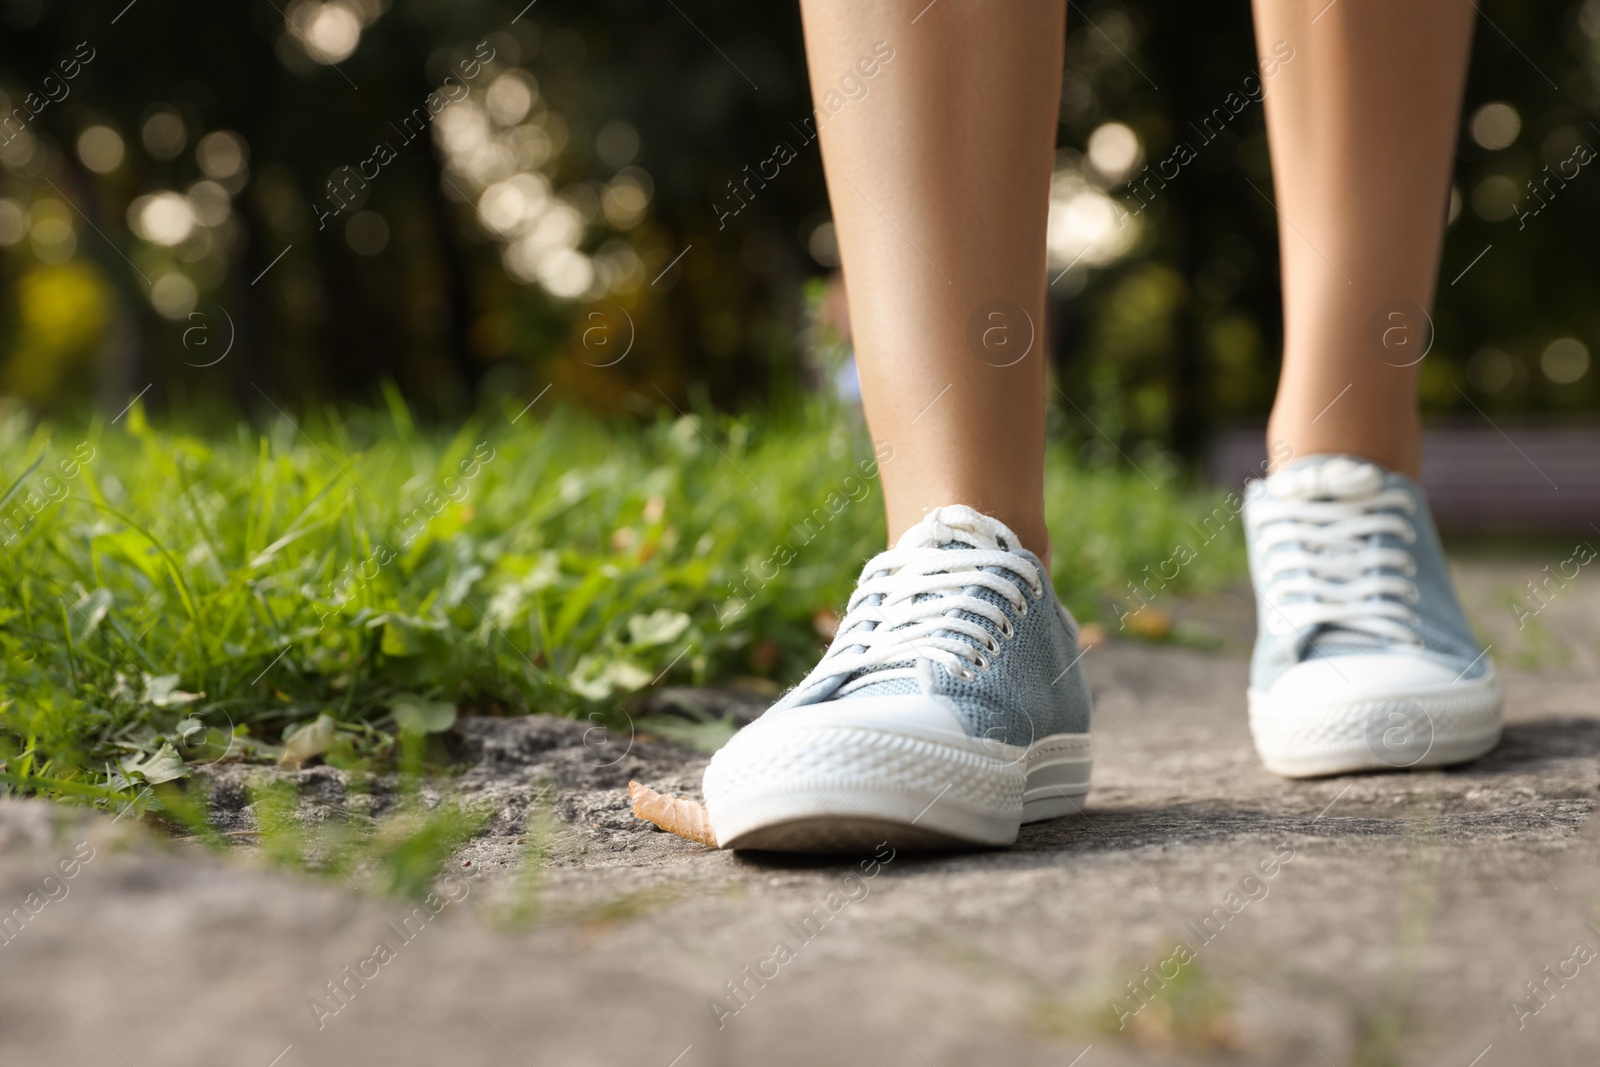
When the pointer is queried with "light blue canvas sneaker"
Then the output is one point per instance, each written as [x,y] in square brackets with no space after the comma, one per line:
[950,709]
[1363,658]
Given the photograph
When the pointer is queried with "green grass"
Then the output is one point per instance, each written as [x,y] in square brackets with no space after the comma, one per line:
[171,596]
[1192,1014]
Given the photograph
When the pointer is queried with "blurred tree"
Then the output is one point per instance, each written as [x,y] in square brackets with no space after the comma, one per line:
[481,197]
[299,182]
[1182,332]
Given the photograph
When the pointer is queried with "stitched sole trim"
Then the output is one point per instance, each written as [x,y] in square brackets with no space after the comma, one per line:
[1396,731]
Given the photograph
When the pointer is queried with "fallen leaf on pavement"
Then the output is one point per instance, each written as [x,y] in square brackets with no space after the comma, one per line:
[673,814]
[312,739]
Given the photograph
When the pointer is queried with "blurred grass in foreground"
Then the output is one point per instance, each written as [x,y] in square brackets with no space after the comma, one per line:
[171,597]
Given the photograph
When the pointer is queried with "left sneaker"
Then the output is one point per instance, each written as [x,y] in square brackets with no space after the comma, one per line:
[950,709]
[1363,658]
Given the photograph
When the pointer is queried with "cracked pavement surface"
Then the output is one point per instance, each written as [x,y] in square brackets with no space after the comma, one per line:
[1404,914]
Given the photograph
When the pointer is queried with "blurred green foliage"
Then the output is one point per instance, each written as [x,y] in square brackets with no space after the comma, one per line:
[638,116]
[326,589]
[634,121]
[1184,333]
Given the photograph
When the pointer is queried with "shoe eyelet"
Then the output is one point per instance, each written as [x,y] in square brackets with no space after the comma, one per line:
[1022,610]
[1007,631]
[983,662]
[992,646]
[965,675]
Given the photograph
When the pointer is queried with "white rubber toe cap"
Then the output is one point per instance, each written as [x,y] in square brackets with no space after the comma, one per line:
[1373,712]
[1339,679]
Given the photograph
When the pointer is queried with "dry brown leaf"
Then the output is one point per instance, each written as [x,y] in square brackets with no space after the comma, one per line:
[673,814]
[1152,624]
[312,739]
[826,623]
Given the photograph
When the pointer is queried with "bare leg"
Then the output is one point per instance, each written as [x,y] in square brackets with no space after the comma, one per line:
[1362,122]
[939,179]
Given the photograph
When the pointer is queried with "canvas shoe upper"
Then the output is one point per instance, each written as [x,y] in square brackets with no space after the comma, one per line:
[950,707]
[1363,658]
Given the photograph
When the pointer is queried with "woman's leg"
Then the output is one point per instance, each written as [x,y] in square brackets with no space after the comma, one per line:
[1364,659]
[951,706]
[1363,122]
[939,179]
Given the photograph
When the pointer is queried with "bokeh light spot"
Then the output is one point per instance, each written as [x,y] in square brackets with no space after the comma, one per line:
[163,133]
[100,148]
[1495,126]
[221,154]
[1564,360]
[1114,150]
[173,295]
[164,218]
[367,233]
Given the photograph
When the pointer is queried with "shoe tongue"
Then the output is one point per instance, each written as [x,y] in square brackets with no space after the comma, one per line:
[958,526]
[1325,478]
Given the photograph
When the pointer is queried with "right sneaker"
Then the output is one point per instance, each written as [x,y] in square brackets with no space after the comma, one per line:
[1364,660]
[950,708]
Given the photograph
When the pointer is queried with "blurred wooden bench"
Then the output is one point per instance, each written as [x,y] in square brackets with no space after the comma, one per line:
[1528,479]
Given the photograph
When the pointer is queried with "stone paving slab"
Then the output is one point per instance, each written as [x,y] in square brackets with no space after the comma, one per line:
[1401,918]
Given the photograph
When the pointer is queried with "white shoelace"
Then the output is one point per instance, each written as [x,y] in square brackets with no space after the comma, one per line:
[919,617]
[1323,570]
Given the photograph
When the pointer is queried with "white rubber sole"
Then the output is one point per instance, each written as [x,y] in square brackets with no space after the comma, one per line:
[844,788]
[1432,727]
